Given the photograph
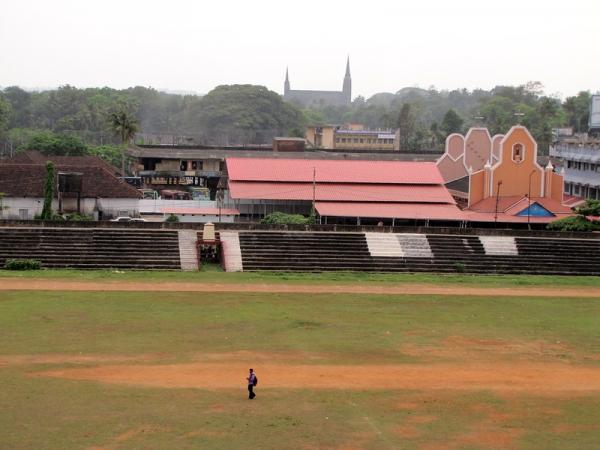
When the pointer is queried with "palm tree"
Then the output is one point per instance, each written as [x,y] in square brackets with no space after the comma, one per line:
[125,126]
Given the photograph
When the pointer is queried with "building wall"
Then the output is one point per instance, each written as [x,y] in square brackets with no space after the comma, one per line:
[476,187]
[373,141]
[204,218]
[109,207]
[515,175]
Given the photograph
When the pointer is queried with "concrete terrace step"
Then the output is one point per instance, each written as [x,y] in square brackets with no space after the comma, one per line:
[92,248]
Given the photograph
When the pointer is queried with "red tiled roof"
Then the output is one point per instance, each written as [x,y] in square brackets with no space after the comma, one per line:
[507,218]
[333,171]
[340,192]
[200,211]
[36,157]
[514,205]
[421,211]
[27,180]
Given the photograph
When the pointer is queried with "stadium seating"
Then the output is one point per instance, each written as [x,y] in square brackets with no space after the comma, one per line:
[386,252]
[92,248]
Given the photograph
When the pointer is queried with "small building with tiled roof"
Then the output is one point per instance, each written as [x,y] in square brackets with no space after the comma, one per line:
[102,194]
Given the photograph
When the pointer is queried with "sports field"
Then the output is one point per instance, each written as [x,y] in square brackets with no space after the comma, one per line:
[112,360]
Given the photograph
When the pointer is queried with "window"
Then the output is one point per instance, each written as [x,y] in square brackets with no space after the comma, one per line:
[567,188]
[576,189]
[569,164]
[593,167]
[337,140]
[355,140]
[586,166]
[362,140]
[517,153]
[24,214]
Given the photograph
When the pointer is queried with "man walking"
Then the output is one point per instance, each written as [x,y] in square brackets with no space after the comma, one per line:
[252,381]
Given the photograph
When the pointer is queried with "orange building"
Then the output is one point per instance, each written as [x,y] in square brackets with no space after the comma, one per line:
[498,178]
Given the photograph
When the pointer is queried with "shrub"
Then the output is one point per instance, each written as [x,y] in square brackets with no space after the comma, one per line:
[574,223]
[279,218]
[459,267]
[172,219]
[75,217]
[22,264]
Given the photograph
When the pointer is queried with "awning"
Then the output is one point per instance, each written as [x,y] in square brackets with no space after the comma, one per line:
[421,211]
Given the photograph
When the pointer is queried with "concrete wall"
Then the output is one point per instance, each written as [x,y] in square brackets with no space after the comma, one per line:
[203,218]
[110,207]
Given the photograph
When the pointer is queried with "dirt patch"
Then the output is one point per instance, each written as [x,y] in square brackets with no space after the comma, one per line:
[8,284]
[502,377]
[469,349]
[11,360]
[491,438]
[408,431]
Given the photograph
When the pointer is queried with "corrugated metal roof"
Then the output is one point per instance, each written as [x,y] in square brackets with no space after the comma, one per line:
[333,171]
[340,192]
[390,210]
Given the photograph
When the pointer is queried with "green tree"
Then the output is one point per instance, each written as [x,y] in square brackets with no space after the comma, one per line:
[125,126]
[406,124]
[50,143]
[452,122]
[48,191]
[4,116]
[240,114]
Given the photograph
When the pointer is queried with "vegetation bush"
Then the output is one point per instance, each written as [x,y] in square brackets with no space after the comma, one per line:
[579,222]
[23,264]
[75,217]
[172,219]
[279,218]
[459,267]
[575,223]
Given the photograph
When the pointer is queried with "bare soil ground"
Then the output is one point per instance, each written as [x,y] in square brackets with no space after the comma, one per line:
[227,371]
[394,289]
[540,378]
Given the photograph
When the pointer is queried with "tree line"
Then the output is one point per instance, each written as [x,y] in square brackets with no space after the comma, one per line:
[248,114]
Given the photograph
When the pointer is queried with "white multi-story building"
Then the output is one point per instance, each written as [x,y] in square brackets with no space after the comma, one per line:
[580,156]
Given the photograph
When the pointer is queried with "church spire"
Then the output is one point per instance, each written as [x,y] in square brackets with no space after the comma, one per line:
[347,87]
[286,85]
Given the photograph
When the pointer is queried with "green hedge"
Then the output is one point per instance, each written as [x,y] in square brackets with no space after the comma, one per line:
[574,223]
[23,264]
[279,218]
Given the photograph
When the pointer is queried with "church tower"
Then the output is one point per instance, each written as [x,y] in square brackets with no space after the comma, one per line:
[286,85]
[347,88]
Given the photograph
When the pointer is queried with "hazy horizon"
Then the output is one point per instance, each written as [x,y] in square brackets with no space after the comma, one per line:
[190,47]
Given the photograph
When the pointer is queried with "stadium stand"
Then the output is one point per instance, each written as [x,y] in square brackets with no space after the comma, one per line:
[386,252]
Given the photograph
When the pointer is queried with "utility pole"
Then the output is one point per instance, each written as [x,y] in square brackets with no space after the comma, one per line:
[529,202]
[313,212]
[497,199]
[518,115]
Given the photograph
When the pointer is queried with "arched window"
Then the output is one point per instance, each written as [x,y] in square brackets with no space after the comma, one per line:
[517,153]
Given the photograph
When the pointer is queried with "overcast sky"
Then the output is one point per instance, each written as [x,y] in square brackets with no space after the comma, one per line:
[194,45]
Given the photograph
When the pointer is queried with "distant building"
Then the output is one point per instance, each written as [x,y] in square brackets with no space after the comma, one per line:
[352,137]
[580,158]
[320,98]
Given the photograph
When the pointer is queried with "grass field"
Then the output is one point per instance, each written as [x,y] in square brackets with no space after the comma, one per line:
[59,350]
[213,274]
